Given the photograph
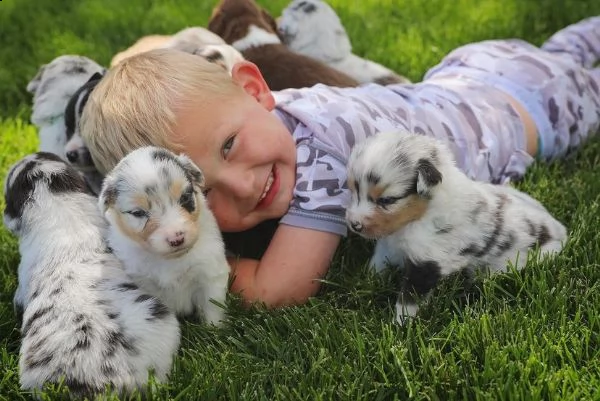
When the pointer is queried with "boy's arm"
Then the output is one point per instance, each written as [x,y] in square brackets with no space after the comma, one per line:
[289,271]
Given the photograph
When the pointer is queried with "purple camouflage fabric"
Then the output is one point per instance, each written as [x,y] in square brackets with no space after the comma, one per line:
[461,101]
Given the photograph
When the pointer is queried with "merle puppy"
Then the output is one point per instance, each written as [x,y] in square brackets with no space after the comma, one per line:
[85,323]
[429,217]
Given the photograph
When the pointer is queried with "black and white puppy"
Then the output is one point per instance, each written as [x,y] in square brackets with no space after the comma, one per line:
[76,151]
[312,28]
[85,323]
[52,88]
[429,217]
[162,230]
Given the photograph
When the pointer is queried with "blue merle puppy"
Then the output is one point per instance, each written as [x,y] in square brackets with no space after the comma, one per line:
[429,217]
[84,322]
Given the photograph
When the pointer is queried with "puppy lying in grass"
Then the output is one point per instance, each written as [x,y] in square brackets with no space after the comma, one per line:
[162,230]
[312,28]
[430,218]
[85,323]
[252,31]
[52,87]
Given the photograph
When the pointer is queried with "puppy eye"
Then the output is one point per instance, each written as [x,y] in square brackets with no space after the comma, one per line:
[386,201]
[138,213]
[187,201]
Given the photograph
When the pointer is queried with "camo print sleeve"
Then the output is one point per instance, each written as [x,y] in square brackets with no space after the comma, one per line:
[465,101]
[327,122]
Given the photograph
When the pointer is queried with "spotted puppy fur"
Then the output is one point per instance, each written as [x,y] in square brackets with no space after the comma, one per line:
[312,28]
[429,217]
[85,323]
[162,230]
[52,88]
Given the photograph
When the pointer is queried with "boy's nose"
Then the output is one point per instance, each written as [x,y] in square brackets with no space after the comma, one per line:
[240,186]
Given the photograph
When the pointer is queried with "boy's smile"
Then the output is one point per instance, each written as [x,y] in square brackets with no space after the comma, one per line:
[247,155]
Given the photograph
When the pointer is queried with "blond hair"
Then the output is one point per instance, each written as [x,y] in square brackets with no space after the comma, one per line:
[135,104]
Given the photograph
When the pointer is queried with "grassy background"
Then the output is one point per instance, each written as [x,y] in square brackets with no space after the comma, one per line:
[532,334]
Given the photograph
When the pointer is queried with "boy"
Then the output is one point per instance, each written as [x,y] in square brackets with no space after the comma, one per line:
[282,155]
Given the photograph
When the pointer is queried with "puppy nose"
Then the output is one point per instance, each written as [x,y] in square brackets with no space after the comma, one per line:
[72,156]
[356,226]
[176,240]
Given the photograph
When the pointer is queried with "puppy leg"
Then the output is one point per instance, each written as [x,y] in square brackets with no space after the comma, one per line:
[386,255]
[215,291]
[420,279]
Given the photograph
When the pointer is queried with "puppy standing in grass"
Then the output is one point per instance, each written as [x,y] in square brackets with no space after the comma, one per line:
[429,217]
[163,231]
[84,321]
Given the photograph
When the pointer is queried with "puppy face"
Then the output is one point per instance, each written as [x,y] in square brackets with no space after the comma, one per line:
[231,19]
[224,55]
[312,27]
[154,198]
[31,180]
[76,151]
[391,177]
[55,83]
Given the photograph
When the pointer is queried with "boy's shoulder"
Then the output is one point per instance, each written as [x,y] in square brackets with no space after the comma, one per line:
[335,119]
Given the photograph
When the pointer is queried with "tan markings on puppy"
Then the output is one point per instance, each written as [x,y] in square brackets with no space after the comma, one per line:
[375,191]
[176,189]
[382,223]
[141,201]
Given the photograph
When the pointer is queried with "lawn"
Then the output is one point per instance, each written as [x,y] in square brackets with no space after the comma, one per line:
[532,334]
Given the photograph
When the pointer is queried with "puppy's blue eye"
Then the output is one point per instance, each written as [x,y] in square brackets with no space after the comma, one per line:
[138,213]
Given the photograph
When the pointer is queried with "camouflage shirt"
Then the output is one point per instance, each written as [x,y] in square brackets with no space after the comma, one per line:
[327,122]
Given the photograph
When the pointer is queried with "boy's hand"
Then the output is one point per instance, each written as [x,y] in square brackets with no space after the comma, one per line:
[290,269]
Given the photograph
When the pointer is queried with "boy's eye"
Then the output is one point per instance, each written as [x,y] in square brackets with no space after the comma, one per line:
[227,146]
[138,213]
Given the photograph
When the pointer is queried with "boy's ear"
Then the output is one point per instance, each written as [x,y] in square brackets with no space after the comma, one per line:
[248,76]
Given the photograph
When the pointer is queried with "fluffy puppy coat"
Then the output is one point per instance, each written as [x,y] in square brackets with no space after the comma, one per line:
[163,231]
[76,151]
[195,40]
[312,28]
[432,219]
[52,88]
[252,31]
[84,321]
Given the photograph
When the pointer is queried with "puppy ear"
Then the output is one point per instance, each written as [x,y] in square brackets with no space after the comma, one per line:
[35,81]
[192,171]
[428,176]
[96,77]
[108,194]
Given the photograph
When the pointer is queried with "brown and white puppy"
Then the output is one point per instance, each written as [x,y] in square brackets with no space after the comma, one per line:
[163,232]
[251,30]
[312,28]
[430,218]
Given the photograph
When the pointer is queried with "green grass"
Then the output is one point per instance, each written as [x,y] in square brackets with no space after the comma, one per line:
[532,334]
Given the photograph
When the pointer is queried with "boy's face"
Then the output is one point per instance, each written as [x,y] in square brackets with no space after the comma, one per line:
[247,155]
